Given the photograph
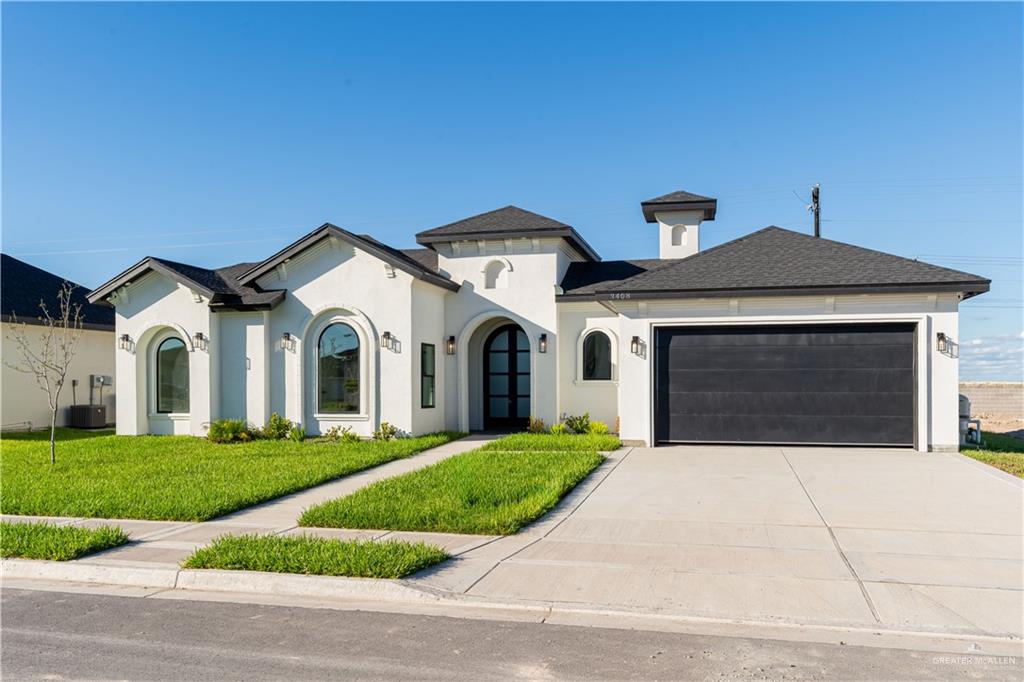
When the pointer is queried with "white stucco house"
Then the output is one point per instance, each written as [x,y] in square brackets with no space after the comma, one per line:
[776,337]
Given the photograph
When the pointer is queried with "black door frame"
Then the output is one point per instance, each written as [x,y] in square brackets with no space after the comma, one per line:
[654,385]
[513,372]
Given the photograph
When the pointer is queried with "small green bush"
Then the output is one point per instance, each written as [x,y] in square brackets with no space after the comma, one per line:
[578,423]
[598,428]
[386,431]
[277,427]
[559,429]
[337,434]
[297,434]
[229,431]
[536,425]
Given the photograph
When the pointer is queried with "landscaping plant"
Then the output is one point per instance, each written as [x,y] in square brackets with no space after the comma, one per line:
[277,428]
[229,431]
[598,429]
[297,434]
[536,425]
[559,429]
[386,432]
[578,423]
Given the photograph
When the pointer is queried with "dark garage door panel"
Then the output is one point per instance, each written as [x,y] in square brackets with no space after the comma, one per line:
[846,384]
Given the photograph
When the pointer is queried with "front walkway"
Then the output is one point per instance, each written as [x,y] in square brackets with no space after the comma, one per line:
[164,544]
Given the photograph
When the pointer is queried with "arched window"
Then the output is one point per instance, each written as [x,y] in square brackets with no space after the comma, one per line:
[495,275]
[597,357]
[172,376]
[678,235]
[338,370]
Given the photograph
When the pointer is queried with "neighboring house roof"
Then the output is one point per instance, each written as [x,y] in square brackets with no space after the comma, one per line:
[679,201]
[766,262]
[220,285]
[23,286]
[393,257]
[507,222]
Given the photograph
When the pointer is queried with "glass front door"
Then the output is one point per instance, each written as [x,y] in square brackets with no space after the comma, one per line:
[506,379]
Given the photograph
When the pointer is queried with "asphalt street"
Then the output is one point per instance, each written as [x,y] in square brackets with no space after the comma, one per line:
[64,635]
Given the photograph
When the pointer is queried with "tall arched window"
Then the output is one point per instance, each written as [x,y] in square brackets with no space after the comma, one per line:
[172,376]
[495,275]
[597,357]
[338,370]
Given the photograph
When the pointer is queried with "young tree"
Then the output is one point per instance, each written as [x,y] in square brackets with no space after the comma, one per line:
[47,354]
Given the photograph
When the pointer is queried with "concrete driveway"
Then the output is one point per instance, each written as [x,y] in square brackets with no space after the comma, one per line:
[874,538]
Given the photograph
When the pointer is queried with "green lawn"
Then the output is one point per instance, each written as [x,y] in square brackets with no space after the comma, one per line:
[59,543]
[316,556]
[173,477]
[1001,451]
[484,491]
[556,442]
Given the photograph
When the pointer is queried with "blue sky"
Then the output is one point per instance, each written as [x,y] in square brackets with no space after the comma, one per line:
[218,133]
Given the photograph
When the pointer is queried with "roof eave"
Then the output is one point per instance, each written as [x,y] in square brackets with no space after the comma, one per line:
[567,233]
[100,294]
[710,208]
[972,288]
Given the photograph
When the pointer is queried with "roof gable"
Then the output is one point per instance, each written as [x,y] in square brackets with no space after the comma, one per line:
[775,260]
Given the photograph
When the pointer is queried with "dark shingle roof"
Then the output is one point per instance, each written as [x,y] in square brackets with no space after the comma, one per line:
[588,278]
[774,260]
[425,257]
[226,292]
[510,221]
[679,201]
[23,286]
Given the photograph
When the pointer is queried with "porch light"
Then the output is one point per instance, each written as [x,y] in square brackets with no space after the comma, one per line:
[543,345]
[634,346]
[287,341]
[449,346]
[124,342]
[946,345]
[385,340]
[200,341]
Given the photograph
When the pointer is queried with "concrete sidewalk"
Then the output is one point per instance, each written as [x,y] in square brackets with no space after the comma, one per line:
[165,544]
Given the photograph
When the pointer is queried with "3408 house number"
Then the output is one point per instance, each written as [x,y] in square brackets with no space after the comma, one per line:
[619,297]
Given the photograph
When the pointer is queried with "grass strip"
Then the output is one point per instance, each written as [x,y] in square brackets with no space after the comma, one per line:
[549,442]
[1001,451]
[312,555]
[41,540]
[175,478]
[483,491]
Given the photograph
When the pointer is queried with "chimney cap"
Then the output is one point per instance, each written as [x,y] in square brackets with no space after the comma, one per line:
[679,201]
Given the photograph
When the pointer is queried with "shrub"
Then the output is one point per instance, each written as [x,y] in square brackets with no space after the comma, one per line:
[559,429]
[598,428]
[536,425]
[336,434]
[277,427]
[578,423]
[297,434]
[386,431]
[229,431]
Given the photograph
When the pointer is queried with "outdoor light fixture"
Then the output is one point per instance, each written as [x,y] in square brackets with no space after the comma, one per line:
[449,346]
[200,341]
[287,341]
[946,345]
[124,342]
[543,345]
[385,340]
[634,346]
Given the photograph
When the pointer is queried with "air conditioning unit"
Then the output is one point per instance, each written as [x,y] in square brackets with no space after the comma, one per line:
[88,416]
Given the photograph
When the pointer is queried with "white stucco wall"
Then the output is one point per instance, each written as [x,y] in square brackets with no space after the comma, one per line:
[22,399]
[576,396]
[428,327]
[937,375]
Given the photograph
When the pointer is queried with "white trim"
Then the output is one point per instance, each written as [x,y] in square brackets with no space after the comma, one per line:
[508,264]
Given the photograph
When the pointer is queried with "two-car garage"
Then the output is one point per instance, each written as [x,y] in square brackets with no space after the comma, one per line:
[811,384]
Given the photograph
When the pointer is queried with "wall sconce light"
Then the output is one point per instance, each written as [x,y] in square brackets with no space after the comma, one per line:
[124,342]
[449,346]
[543,345]
[946,345]
[386,340]
[200,341]
[634,346]
[287,341]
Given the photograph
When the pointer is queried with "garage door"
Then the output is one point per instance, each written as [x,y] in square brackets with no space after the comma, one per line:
[835,384]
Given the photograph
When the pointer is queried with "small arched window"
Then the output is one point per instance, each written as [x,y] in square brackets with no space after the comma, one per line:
[597,357]
[495,275]
[678,235]
[171,376]
[338,370]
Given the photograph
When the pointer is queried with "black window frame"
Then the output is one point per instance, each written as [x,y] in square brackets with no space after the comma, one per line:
[424,376]
[188,378]
[358,351]
[589,338]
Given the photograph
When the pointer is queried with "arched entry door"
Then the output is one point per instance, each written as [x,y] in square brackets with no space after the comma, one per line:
[506,378]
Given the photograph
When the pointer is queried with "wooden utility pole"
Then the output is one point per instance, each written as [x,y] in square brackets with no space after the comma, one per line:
[816,207]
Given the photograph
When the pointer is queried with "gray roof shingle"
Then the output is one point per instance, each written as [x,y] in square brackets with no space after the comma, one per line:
[23,286]
[771,260]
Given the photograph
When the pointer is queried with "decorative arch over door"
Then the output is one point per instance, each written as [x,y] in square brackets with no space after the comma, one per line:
[506,360]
